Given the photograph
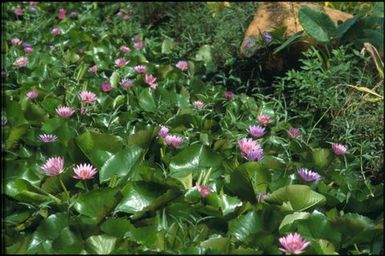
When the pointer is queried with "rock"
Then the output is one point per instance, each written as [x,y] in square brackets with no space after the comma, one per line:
[270,16]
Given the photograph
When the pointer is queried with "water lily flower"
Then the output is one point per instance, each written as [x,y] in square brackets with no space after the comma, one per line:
[308,175]
[16,41]
[47,138]
[125,49]
[265,120]
[19,11]
[339,149]
[293,244]
[256,131]
[32,94]
[56,31]
[267,37]
[141,69]
[173,140]
[21,62]
[163,132]
[54,166]
[127,83]
[182,65]
[87,97]
[198,104]
[65,112]
[74,14]
[262,196]
[138,42]
[204,190]
[28,49]
[106,87]
[93,69]
[250,149]
[294,133]
[84,172]
[151,80]
[62,14]
[121,62]
[229,95]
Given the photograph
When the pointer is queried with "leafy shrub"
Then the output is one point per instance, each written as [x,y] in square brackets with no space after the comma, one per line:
[318,94]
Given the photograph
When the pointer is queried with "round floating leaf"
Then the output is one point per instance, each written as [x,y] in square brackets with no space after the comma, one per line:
[116,227]
[51,227]
[137,196]
[192,159]
[241,186]
[300,197]
[68,242]
[97,203]
[218,244]
[121,164]
[290,218]
[101,244]
[24,191]
[147,101]
[141,138]
[322,157]
[98,147]
[245,226]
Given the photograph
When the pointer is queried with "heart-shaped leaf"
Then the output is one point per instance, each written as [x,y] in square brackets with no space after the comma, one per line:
[300,197]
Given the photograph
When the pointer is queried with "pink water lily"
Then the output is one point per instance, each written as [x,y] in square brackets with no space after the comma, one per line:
[339,149]
[229,95]
[124,49]
[294,133]
[293,244]
[84,172]
[204,190]
[250,149]
[88,97]
[32,94]
[19,11]
[151,80]
[182,65]
[56,31]
[21,62]
[163,132]
[198,104]
[54,166]
[93,69]
[265,120]
[173,140]
[140,69]
[65,112]
[106,87]
[16,41]
[121,62]
[127,83]
[62,14]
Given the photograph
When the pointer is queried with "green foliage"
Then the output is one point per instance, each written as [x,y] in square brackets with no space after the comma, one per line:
[357,30]
[340,110]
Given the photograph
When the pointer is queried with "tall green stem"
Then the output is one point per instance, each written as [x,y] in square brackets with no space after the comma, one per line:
[65,189]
